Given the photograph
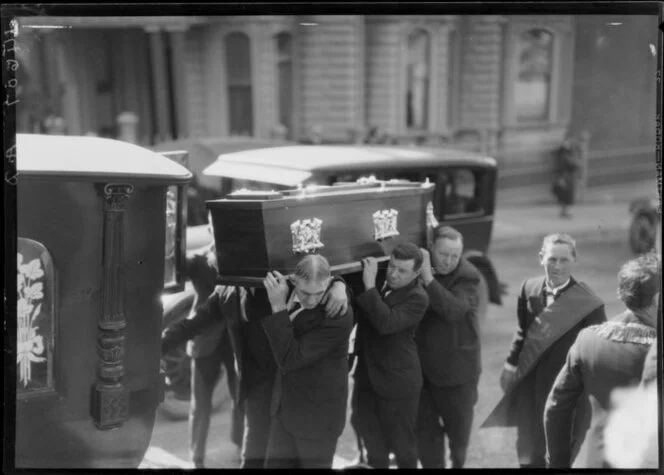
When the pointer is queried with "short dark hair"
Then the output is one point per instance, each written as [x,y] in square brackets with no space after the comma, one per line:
[446,232]
[639,280]
[559,238]
[407,251]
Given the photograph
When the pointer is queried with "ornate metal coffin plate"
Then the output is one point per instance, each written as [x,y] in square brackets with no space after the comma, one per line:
[306,235]
[385,224]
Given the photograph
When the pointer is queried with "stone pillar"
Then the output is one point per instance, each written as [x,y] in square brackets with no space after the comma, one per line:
[128,127]
[178,49]
[159,84]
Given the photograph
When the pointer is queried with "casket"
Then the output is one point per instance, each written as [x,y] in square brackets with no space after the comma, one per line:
[256,232]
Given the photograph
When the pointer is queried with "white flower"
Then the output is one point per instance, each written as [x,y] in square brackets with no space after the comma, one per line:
[34,292]
[19,259]
[32,270]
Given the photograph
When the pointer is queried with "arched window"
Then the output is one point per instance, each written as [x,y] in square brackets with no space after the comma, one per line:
[238,68]
[35,318]
[284,43]
[533,83]
[417,80]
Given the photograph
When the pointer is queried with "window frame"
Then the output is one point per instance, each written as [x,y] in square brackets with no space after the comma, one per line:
[277,62]
[514,32]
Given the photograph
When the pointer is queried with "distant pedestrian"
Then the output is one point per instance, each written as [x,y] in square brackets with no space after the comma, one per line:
[603,357]
[551,311]
[568,168]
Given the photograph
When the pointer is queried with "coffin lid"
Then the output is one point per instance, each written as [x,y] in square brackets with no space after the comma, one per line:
[291,165]
[86,157]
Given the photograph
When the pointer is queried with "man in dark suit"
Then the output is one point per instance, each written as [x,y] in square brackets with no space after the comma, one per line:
[551,311]
[311,353]
[448,340]
[603,357]
[208,351]
[388,377]
[251,350]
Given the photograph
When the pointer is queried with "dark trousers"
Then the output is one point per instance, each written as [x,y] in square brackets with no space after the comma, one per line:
[530,438]
[387,425]
[257,424]
[205,374]
[286,450]
[454,405]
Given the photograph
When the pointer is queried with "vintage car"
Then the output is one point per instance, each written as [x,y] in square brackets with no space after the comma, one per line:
[645,225]
[100,237]
[464,197]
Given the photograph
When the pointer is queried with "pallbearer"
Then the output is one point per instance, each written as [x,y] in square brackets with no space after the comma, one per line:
[388,377]
[311,352]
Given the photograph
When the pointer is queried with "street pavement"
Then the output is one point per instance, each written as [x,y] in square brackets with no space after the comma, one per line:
[602,217]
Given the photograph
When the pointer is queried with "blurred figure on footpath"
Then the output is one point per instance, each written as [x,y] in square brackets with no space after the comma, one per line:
[603,357]
[310,393]
[551,311]
[448,340]
[256,367]
[208,351]
[568,167]
[388,377]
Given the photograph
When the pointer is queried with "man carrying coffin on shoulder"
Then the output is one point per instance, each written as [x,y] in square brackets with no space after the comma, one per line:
[551,310]
[448,340]
[388,376]
[256,367]
[311,352]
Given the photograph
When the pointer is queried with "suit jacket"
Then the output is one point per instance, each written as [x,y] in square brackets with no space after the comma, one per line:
[604,357]
[527,406]
[448,337]
[388,358]
[202,271]
[312,381]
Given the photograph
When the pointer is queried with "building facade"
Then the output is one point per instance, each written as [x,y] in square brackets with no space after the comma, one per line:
[509,86]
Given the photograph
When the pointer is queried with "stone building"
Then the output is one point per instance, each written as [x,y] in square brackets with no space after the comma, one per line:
[509,86]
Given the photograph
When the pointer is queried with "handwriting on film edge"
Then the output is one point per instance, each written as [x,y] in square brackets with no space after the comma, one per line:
[13,65]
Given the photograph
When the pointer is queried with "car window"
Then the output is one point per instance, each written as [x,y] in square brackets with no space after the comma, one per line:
[460,192]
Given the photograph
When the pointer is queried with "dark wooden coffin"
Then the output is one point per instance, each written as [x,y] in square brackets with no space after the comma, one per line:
[256,232]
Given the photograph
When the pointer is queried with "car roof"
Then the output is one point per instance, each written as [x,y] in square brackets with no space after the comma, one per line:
[291,165]
[86,157]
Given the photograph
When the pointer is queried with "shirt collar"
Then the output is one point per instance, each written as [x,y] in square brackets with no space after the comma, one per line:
[556,289]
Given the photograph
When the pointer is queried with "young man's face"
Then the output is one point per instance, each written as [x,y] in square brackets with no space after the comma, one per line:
[310,293]
[400,273]
[445,255]
[558,262]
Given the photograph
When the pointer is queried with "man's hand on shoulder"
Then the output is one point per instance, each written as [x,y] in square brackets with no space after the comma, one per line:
[335,300]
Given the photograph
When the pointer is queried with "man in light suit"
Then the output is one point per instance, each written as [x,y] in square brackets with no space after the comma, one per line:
[388,376]
[448,340]
[551,311]
[309,397]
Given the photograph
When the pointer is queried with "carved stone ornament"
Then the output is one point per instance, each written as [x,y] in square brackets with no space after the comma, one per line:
[385,224]
[432,222]
[306,235]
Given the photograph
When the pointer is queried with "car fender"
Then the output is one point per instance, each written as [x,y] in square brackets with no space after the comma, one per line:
[484,265]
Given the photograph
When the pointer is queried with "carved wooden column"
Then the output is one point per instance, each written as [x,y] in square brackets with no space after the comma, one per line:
[110,399]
